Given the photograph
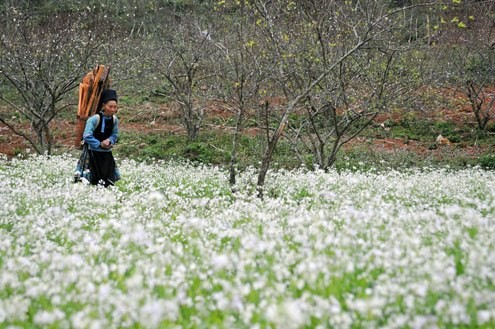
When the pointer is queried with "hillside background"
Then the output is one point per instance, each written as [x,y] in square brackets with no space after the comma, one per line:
[346,84]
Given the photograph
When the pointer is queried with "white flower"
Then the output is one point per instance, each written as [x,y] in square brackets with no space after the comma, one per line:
[484,316]
[152,313]
[289,314]
[220,262]
[44,318]
[155,196]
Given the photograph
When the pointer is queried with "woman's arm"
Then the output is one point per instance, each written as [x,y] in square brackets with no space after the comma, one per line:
[88,134]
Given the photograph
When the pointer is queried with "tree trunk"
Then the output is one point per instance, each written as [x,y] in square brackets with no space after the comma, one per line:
[189,122]
[268,155]
[235,145]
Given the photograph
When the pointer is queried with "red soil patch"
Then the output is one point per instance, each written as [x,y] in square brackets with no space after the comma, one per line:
[159,118]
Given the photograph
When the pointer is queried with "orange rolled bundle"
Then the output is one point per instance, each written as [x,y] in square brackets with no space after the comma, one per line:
[90,89]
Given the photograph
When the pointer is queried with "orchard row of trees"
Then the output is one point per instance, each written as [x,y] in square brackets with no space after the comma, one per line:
[315,72]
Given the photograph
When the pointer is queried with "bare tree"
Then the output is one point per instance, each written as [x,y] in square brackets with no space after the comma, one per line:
[482,103]
[475,65]
[186,60]
[41,61]
[464,55]
[321,58]
[241,77]
[336,118]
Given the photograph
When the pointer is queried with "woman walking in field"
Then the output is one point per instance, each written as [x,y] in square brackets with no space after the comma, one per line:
[100,135]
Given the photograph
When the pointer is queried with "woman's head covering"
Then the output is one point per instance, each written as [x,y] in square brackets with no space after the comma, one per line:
[108,95]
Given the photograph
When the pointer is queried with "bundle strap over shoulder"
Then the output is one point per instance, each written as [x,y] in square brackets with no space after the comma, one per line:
[98,118]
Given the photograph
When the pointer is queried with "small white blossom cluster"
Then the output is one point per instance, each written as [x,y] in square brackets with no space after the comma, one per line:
[171,246]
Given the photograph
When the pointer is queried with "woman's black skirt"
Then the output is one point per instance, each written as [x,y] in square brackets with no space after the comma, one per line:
[102,167]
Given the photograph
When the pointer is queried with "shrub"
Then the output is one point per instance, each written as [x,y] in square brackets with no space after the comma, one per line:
[198,151]
[487,161]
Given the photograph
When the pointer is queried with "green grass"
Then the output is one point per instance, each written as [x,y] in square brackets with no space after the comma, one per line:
[216,147]
[208,148]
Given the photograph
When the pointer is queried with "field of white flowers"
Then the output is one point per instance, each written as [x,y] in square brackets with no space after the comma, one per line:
[172,247]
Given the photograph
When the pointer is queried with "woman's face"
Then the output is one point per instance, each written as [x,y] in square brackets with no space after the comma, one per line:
[110,108]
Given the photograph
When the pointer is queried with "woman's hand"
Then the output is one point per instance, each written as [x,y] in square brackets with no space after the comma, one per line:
[106,144]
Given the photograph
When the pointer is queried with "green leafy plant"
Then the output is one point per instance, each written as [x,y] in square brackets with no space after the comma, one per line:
[487,161]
